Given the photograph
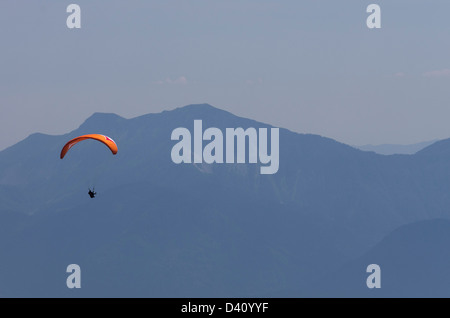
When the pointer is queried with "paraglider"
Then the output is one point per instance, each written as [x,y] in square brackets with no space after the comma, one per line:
[92,192]
[102,138]
[107,141]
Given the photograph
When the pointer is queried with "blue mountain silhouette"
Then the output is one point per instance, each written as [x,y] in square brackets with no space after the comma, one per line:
[158,229]
[414,262]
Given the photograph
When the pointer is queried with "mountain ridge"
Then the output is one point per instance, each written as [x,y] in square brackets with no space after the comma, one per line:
[328,203]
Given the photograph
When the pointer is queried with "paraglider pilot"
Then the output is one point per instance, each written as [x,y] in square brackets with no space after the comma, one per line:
[92,193]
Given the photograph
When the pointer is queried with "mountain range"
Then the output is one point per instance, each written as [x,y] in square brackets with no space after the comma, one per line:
[392,149]
[160,229]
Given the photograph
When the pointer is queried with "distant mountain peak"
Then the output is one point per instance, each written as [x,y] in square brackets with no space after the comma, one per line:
[100,115]
[391,149]
[99,120]
[208,112]
[439,148]
[199,106]
[202,109]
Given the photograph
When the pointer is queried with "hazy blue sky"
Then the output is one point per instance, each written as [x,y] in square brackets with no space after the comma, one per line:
[309,66]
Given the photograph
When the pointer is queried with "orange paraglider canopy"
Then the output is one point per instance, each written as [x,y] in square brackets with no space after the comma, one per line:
[102,138]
